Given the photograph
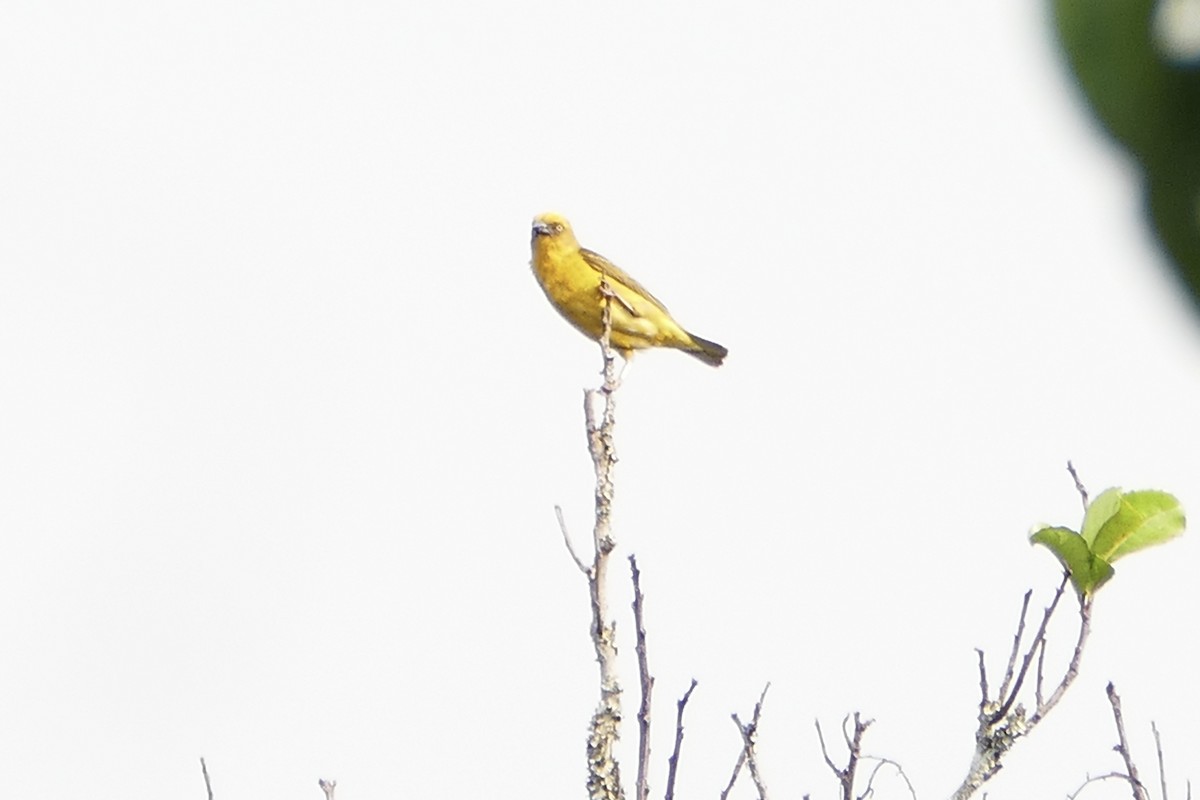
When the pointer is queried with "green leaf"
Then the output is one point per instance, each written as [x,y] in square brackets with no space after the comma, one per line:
[1099,511]
[1088,571]
[1143,519]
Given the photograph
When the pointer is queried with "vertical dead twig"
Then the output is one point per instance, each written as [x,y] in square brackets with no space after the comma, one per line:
[207,782]
[647,685]
[327,787]
[673,761]
[604,774]
[1016,649]
[1131,771]
[1162,769]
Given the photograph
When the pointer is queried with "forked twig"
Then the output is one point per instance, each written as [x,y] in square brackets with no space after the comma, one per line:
[749,755]
[847,774]
[1006,703]
[1003,720]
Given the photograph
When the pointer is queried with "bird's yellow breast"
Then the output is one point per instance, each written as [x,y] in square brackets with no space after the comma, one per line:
[572,286]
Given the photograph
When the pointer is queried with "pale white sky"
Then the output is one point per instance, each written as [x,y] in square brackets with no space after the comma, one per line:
[285,415]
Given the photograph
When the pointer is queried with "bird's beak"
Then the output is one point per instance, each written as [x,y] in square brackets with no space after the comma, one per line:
[541,229]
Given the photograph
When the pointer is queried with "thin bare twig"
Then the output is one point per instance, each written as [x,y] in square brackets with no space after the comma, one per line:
[207,782]
[737,768]
[983,681]
[1139,790]
[1162,771]
[647,684]
[562,526]
[1041,676]
[1096,779]
[327,787]
[878,766]
[825,750]
[673,761]
[1083,495]
[1016,645]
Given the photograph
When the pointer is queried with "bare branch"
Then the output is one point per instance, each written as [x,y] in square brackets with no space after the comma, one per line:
[207,782]
[1007,702]
[983,681]
[610,376]
[1162,771]
[647,684]
[749,756]
[562,526]
[846,775]
[1096,779]
[1040,683]
[1085,626]
[327,787]
[604,774]
[1139,790]
[825,751]
[749,736]
[737,768]
[860,728]
[673,761]
[880,763]
[1003,720]
[1083,495]
[1016,645]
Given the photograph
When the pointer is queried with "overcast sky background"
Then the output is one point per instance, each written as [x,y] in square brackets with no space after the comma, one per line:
[284,415]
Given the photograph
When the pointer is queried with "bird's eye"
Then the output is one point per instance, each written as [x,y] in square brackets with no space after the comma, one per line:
[558,227]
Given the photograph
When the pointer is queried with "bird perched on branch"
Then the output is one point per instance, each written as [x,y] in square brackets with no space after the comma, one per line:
[572,278]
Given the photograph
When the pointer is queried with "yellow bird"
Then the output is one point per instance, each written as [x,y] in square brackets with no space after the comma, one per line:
[571,276]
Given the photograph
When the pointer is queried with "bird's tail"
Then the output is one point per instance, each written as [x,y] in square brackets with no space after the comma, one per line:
[709,352]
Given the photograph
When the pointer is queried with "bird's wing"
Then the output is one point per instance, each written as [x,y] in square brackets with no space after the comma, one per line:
[611,270]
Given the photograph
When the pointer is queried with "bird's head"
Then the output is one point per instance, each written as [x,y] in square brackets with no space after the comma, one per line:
[552,228]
